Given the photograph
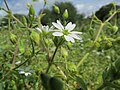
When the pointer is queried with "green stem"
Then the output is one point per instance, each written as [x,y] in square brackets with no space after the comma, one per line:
[98,34]
[6,4]
[22,63]
[50,62]
[81,61]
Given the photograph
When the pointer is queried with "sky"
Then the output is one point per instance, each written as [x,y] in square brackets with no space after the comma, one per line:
[82,6]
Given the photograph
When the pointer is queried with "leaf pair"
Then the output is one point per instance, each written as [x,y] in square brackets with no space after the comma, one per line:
[51,83]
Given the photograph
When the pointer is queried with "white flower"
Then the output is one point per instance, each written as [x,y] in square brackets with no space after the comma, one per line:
[45,29]
[66,31]
[25,73]
[18,62]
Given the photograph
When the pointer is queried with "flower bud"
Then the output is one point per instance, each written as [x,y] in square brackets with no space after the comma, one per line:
[13,38]
[65,14]
[31,10]
[115,28]
[56,9]
[35,37]
[24,21]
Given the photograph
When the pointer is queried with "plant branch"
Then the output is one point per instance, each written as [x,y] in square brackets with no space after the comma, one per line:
[6,4]
[15,54]
[50,63]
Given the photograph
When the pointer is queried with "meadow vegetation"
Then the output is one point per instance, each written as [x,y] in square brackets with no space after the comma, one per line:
[60,49]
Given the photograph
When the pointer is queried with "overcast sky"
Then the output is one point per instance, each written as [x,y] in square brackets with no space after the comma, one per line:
[82,6]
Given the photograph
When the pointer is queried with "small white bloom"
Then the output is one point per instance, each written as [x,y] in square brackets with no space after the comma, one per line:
[18,62]
[39,29]
[66,31]
[21,72]
[27,73]
[45,28]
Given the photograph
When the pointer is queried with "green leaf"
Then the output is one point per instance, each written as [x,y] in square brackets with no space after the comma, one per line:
[112,71]
[21,47]
[71,67]
[45,80]
[81,82]
[35,37]
[55,84]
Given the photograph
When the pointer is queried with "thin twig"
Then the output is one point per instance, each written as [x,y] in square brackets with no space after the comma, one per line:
[6,5]
[15,54]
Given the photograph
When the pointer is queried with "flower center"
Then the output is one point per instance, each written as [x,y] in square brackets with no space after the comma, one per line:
[66,32]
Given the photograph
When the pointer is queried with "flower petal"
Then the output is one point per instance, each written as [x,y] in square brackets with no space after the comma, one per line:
[26,74]
[57,34]
[45,28]
[58,25]
[38,29]
[21,72]
[75,32]
[75,36]
[70,26]
[68,38]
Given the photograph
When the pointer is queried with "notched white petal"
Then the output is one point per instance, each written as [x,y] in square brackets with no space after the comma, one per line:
[75,32]
[57,25]
[26,74]
[60,24]
[76,36]
[68,38]
[70,26]
[21,72]
[38,29]
[57,34]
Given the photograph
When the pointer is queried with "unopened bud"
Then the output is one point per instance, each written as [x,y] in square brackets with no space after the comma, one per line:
[13,38]
[24,21]
[115,28]
[31,11]
[65,14]
[56,9]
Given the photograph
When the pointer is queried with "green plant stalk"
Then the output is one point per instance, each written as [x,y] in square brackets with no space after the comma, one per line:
[15,54]
[32,44]
[101,27]
[6,4]
[98,34]
[51,61]
[11,14]
[81,61]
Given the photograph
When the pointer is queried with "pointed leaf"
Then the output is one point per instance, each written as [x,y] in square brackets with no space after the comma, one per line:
[55,84]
